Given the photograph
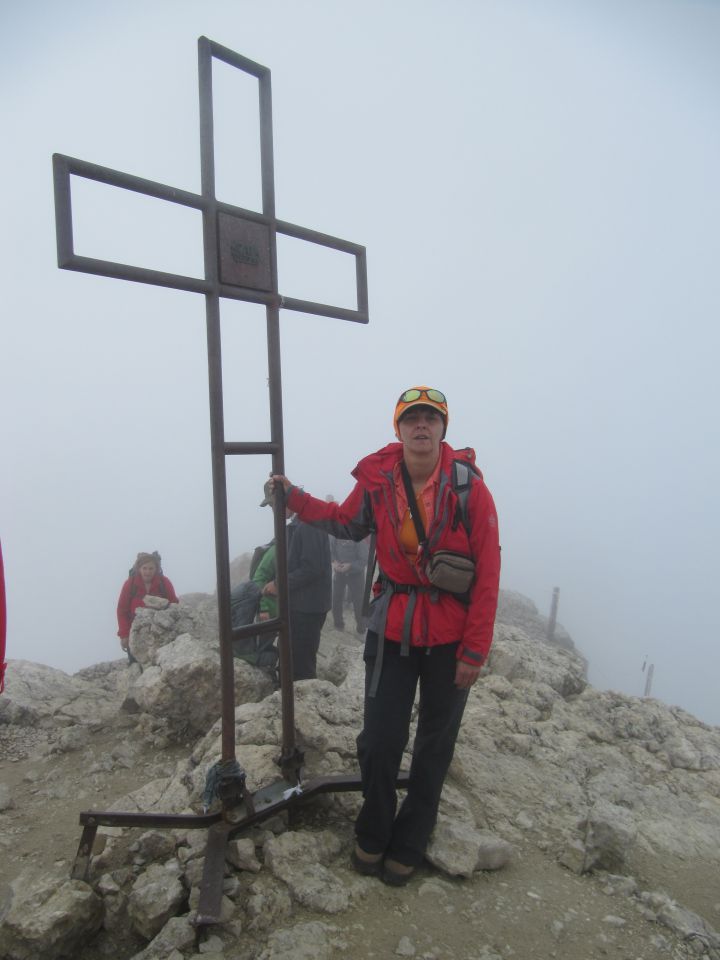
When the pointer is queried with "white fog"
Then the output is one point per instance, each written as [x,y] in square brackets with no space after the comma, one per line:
[537,188]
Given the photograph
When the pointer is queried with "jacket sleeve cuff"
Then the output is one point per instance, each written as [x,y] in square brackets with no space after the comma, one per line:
[473,657]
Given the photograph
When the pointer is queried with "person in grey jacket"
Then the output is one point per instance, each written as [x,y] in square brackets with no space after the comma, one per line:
[310,588]
[349,562]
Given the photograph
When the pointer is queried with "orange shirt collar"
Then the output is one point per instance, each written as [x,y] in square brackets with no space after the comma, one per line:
[426,504]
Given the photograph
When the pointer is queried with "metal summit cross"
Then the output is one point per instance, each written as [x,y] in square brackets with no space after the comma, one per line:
[240,256]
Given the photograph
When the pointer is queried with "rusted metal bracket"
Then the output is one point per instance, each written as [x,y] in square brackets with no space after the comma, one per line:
[90,820]
[209,909]
[222,826]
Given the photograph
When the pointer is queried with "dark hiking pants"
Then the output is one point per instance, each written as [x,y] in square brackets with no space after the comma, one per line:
[383,739]
[354,582]
[305,629]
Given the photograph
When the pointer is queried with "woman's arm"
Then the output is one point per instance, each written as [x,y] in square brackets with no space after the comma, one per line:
[485,546]
[350,520]
[124,613]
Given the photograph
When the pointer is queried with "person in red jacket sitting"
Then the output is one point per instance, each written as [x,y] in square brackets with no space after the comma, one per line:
[146,577]
[423,630]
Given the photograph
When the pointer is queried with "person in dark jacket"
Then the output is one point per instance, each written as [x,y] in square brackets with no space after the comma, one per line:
[420,634]
[349,562]
[310,588]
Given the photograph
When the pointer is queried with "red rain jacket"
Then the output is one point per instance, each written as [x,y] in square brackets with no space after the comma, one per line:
[439,617]
[132,595]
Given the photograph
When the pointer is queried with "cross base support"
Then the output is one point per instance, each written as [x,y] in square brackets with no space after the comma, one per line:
[221,826]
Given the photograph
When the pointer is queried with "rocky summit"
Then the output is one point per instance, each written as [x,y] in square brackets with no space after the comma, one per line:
[575,823]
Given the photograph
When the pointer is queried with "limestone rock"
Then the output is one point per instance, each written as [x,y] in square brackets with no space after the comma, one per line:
[601,780]
[683,922]
[297,860]
[574,856]
[177,935]
[155,845]
[156,603]
[405,947]
[304,941]
[183,685]
[153,629]
[157,895]
[48,918]
[515,610]
[36,694]
[268,904]
[558,668]
[6,800]
[74,738]
[609,836]
[458,848]
[241,854]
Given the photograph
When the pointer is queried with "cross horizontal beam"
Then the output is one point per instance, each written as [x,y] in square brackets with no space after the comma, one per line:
[65,167]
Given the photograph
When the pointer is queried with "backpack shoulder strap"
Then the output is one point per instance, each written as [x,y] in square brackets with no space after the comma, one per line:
[462,479]
[412,504]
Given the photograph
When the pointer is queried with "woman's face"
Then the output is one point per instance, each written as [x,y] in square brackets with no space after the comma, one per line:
[147,571]
[421,430]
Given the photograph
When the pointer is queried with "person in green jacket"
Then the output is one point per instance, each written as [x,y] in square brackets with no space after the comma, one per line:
[265,574]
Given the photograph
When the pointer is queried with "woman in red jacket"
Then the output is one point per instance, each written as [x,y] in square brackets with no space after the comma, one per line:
[145,578]
[418,632]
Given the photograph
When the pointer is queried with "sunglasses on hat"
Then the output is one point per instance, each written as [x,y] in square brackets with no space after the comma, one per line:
[410,395]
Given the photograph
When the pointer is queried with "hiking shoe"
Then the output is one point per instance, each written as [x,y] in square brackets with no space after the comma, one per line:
[368,864]
[396,874]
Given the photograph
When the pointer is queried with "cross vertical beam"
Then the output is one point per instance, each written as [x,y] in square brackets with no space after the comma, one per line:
[206,50]
[217,426]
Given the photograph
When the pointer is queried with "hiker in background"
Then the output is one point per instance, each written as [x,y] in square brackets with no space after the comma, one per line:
[349,562]
[346,592]
[264,574]
[310,589]
[248,605]
[262,569]
[431,619]
[145,577]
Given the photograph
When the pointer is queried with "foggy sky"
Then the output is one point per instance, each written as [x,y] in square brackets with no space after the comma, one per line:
[536,184]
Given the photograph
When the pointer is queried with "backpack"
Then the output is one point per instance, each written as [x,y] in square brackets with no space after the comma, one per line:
[461,482]
[257,650]
[158,563]
[258,554]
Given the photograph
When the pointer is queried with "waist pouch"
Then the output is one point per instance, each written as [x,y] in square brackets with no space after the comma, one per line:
[450,571]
